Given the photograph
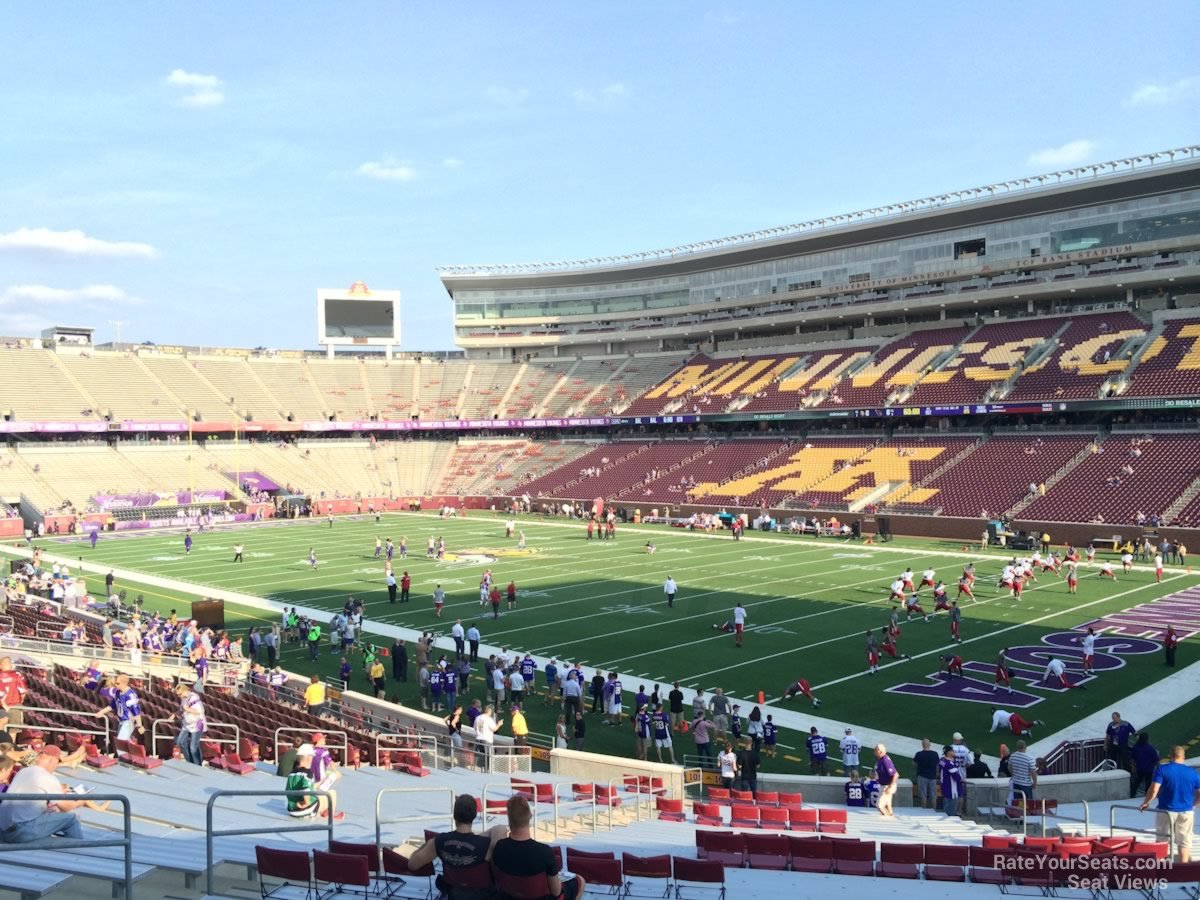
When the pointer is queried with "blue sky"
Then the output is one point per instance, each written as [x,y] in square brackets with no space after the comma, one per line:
[198,170]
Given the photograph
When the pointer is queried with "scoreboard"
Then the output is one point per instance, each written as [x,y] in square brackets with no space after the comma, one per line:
[358,316]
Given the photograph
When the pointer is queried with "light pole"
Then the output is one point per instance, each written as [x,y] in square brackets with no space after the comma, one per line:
[117,323]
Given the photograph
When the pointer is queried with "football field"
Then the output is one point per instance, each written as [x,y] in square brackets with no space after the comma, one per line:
[809,603]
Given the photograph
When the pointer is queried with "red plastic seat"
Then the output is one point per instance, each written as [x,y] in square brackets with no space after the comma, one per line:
[669,810]
[802,819]
[234,764]
[743,816]
[725,847]
[599,873]
[293,867]
[767,851]
[698,872]
[832,821]
[342,870]
[522,887]
[903,854]
[646,867]
[776,817]
[708,814]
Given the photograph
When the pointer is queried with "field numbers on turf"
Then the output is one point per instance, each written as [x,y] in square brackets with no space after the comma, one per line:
[768,629]
[851,556]
[762,559]
[166,558]
[630,610]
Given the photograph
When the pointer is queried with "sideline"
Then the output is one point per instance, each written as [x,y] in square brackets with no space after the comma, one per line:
[787,718]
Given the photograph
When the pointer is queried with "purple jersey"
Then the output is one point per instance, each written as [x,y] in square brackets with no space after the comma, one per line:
[951,778]
[856,793]
[886,770]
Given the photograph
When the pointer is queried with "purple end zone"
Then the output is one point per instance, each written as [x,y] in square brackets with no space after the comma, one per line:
[1150,620]
[1027,664]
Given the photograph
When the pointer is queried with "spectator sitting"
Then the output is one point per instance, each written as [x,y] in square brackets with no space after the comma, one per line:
[305,805]
[22,821]
[521,856]
[460,849]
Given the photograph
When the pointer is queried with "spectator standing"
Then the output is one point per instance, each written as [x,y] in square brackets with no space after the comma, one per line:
[314,695]
[926,762]
[580,730]
[1177,788]
[675,705]
[473,637]
[400,661]
[191,724]
[1145,761]
[702,732]
[979,767]
[727,760]
[818,753]
[1116,741]
[1023,771]
[888,778]
[670,589]
[850,748]
[13,689]
[520,728]
[1170,642]
[951,777]
[748,762]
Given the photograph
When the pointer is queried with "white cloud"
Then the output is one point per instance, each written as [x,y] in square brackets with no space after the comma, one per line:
[203,90]
[44,294]
[608,94]
[506,96]
[1068,154]
[1165,94]
[387,169]
[180,78]
[72,243]
[451,162]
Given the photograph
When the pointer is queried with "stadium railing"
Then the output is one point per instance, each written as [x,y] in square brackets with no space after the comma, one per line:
[380,821]
[173,733]
[125,840]
[332,736]
[210,834]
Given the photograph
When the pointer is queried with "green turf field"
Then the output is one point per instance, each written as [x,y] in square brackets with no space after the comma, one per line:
[602,603]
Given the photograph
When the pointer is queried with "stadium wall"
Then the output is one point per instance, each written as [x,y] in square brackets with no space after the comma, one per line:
[968,531]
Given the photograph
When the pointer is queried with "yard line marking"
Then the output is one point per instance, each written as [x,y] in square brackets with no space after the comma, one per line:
[1025,624]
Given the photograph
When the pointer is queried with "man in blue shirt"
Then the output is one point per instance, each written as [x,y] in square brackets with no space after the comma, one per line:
[1177,788]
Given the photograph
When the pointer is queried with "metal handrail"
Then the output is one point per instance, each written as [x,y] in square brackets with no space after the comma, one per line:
[417,738]
[107,732]
[103,653]
[155,737]
[344,746]
[210,834]
[512,790]
[125,841]
[571,787]
[1112,826]
[379,823]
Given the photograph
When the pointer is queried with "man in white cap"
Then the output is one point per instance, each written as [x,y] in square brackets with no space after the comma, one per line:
[302,806]
[962,753]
